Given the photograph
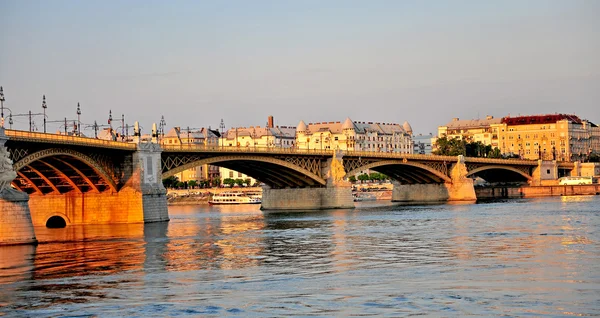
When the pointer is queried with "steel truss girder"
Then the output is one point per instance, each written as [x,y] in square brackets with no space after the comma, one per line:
[97,167]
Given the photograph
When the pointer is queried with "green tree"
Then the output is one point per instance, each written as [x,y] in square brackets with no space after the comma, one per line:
[450,147]
[363,177]
[170,182]
[377,176]
[229,182]
[476,149]
[239,182]
[216,182]
[192,183]
[352,179]
[179,185]
[495,153]
[248,182]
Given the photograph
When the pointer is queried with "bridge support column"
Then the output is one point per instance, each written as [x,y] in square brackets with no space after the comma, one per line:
[307,198]
[15,219]
[460,189]
[546,172]
[147,181]
[337,194]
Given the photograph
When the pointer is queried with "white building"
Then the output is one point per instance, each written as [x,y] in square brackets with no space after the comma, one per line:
[423,144]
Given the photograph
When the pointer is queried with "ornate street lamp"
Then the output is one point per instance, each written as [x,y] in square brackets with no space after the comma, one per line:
[78,120]
[222,126]
[162,124]
[44,106]
[95,129]
[2,105]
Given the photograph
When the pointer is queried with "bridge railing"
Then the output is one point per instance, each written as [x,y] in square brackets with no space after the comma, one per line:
[64,139]
[329,152]
[229,149]
[290,150]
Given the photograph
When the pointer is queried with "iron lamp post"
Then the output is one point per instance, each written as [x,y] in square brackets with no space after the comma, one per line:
[78,120]
[44,106]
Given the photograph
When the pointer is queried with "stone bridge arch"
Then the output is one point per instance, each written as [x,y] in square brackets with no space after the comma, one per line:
[274,172]
[71,169]
[397,169]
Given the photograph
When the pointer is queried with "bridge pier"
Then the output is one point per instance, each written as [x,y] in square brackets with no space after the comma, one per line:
[307,198]
[147,181]
[15,219]
[461,188]
[337,193]
[545,172]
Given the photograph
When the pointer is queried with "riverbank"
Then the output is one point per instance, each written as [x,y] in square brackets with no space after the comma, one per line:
[505,192]
[201,196]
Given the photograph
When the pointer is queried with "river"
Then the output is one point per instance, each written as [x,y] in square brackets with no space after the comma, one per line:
[534,257]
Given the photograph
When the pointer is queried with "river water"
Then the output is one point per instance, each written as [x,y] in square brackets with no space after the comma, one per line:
[536,257]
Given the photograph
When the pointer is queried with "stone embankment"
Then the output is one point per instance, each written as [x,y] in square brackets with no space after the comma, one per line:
[374,195]
[501,192]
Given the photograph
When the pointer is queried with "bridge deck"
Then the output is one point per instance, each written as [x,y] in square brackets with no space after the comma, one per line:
[18,135]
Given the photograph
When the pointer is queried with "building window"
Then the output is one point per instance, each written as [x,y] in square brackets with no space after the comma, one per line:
[231,174]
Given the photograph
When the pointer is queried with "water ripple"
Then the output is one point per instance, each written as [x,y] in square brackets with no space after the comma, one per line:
[514,258]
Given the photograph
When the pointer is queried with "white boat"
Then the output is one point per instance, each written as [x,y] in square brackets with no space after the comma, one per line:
[233,198]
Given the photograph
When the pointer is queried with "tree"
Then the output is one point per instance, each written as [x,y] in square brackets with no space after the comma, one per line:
[239,182]
[192,183]
[495,153]
[450,147]
[594,158]
[179,185]
[352,179]
[170,182]
[377,176]
[363,177]
[248,182]
[216,181]
[229,182]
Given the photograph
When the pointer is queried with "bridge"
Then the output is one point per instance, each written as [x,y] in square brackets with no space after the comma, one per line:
[61,180]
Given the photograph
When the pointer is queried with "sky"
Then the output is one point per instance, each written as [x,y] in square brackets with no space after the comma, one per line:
[197,62]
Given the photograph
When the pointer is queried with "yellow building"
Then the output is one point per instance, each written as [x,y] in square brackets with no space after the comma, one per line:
[561,137]
[473,130]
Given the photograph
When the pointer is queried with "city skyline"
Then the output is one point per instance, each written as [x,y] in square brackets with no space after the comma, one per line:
[198,63]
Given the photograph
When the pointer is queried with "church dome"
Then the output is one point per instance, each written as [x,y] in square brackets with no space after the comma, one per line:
[301,126]
[348,124]
[407,127]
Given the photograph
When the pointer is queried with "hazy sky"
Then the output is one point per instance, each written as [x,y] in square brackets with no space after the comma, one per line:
[196,62]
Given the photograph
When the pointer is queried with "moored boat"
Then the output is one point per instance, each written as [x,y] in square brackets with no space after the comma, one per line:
[233,198]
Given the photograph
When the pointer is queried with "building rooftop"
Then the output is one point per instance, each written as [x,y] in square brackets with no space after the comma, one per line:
[473,123]
[540,119]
